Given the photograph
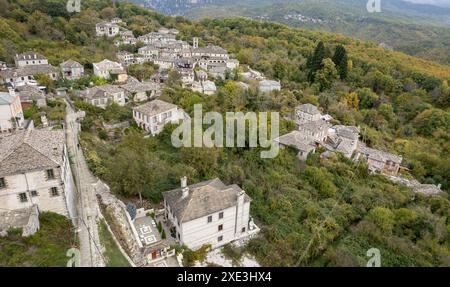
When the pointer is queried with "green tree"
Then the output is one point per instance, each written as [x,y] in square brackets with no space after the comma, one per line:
[315,61]
[340,59]
[326,76]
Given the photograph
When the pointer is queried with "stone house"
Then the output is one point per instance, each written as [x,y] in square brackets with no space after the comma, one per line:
[306,113]
[140,91]
[379,161]
[29,59]
[154,115]
[210,51]
[101,96]
[35,170]
[208,212]
[304,144]
[25,75]
[31,94]
[316,130]
[71,70]
[110,70]
[343,139]
[11,113]
[107,29]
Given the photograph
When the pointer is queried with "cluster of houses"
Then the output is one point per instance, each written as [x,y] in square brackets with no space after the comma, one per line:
[314,130]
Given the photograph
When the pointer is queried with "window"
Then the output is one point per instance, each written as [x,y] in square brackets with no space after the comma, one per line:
[209,218]
[221,215]
[54,191]
[220,238]
[34,193]
[220,228]
[50,174]
[2,182]
[23,197]
[243,229]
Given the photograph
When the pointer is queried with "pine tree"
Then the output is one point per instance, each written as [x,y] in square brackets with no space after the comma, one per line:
[340,59]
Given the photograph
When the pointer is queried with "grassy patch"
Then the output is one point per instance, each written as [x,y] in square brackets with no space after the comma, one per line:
[112,253]
[45,248]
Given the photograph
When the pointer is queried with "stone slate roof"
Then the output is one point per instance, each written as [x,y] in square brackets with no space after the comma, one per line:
[379,155]
[136,87]
[154,107]
[31,150]
[100,91]
[70,64]
[308,108]
[204,198]
[297,140]
[30,55]
[210,49]
[108,65]
[314,126]
[29,70]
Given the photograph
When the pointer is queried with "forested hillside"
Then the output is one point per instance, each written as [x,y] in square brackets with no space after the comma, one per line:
[325,212]
[419,30]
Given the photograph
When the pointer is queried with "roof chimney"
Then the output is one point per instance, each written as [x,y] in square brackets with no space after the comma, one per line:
[184,187]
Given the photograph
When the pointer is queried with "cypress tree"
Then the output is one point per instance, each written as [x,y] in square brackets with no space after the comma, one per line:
[340,59]
[315,61]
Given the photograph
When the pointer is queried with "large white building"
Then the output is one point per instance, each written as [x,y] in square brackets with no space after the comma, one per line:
[154,115]
[71,70]
[11,114]
[35,170]
[209,212]
[29,59]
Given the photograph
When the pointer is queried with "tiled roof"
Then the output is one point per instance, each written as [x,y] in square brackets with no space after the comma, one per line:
[28,71]
[204,198]
[31,150]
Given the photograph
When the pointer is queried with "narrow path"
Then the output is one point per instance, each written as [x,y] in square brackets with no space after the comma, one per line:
[87,204]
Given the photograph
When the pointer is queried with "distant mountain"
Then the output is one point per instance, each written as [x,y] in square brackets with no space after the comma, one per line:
[421,30]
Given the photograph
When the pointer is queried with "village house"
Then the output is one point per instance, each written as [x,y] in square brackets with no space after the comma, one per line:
[11,114]
[107,29]
[379,161]
[201,75]
[297,140]
[149,52]
[343,139]
[110,70]
[210,51]
[208,212]
[71,70]
[140,91]
[101,96]
[209,87]
[306,113]
[29,59]
[25,75]
[125,58]
[267,86]
[126,38]
[154,115]
[187,75]
[35,170]
[25,219]
[30,95]
[317,130]
[165,63]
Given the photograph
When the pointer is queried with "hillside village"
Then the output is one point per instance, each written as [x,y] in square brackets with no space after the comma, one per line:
[46,166]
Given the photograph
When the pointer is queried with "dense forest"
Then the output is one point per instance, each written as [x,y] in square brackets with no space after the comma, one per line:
[325,212]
